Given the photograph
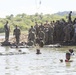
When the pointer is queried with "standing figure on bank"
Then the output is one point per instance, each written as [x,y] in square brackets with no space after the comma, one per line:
[31,36]
[69,17]
[67,30]
[7,30]
[17,33]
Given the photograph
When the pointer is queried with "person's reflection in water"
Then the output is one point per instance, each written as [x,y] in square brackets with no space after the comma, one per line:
[7,66]
[11,64]
[7,49]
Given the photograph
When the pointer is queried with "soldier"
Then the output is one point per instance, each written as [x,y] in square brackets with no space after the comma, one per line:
[57,31]
[41,27]
[46,31]
[69,17]
[31,36]
[67,30]
[46,24]
[50,34]
[7,30]
[41,35]
[32,29]
[36,28]
[17,33]
[30,42]
[74,21]
[74,37]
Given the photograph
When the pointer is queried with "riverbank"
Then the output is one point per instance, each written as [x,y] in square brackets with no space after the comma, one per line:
[23,38]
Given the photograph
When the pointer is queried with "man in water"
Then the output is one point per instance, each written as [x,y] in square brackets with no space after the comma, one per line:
[7,30]
[71,51]
[68,55]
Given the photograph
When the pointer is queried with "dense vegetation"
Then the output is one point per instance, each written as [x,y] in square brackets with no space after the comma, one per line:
[25,21]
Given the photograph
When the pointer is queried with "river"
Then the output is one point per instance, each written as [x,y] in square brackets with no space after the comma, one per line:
[30,63]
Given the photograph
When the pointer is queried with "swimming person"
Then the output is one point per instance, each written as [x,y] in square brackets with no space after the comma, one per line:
[38,51]
[71,51]
[68,57]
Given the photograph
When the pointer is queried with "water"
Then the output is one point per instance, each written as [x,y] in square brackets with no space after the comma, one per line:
[2,36]
[30,63]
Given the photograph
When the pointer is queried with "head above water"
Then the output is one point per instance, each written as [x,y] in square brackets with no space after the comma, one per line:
[20,50]
[38,51]
[68,56]
[71,50]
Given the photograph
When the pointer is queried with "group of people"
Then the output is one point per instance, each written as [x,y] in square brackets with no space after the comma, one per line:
[68,56]
[58,31]
[16,32]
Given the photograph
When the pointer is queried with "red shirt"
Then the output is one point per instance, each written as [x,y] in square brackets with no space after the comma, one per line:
[66,60]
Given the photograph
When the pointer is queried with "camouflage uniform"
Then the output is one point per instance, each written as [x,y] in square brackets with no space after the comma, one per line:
[7,30]
[41,27]
[37,29]
[46,31]
[17,34]
[67,29]
[69,17]
[32,29]
[50,35]
[41,35]
[31,36]
[74,37]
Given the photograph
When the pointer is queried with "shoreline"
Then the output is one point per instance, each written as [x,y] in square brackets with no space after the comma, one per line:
[23,38]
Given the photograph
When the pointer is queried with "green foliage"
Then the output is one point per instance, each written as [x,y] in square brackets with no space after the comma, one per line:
[1,28]
[26,21]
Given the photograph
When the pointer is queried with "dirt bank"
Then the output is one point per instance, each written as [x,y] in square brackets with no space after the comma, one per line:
[23,38]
